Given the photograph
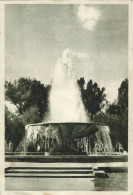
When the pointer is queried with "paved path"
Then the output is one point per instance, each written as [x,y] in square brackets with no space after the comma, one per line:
[49,184]
[63,184]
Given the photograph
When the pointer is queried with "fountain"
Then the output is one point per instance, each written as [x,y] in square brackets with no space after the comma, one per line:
[68,130]
[60,141]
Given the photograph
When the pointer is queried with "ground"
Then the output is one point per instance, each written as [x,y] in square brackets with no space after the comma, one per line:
[116,181]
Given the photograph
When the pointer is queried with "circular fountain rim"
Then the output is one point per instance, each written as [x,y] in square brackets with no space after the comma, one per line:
[52,123]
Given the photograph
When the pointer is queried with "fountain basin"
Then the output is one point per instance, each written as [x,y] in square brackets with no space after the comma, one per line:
[65,138]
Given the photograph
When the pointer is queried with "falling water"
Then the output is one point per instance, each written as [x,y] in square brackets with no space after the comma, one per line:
[102,139]
[65,98]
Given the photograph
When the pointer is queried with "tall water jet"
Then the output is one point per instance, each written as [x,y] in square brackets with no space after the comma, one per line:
[65,98]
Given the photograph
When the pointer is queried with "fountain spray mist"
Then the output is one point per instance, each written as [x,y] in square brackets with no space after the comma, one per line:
[65,98]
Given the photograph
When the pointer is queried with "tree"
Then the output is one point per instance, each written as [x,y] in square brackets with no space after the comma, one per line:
[113,108]
[116,116]
[119,106]
[123,95]
[14,128]
[93,97]
[24,93]
[123,116]
[31,115]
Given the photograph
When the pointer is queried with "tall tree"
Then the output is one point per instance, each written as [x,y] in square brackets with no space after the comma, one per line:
[93,97]
[123,116]
[123,95]
[119,106]
[24,93]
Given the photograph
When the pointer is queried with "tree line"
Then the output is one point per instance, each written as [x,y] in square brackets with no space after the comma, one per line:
[31,99]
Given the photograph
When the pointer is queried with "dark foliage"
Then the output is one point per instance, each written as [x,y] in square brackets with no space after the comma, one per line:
[25,93]
[116,117]
[31,115]
[93,97]
[14,128]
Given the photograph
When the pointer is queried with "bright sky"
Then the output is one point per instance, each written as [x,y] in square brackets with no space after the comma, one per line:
[97,35]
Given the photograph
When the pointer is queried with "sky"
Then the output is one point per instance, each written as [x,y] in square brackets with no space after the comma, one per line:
[96,35]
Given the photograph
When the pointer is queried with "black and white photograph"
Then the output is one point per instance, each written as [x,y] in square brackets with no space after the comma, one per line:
[66,97]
